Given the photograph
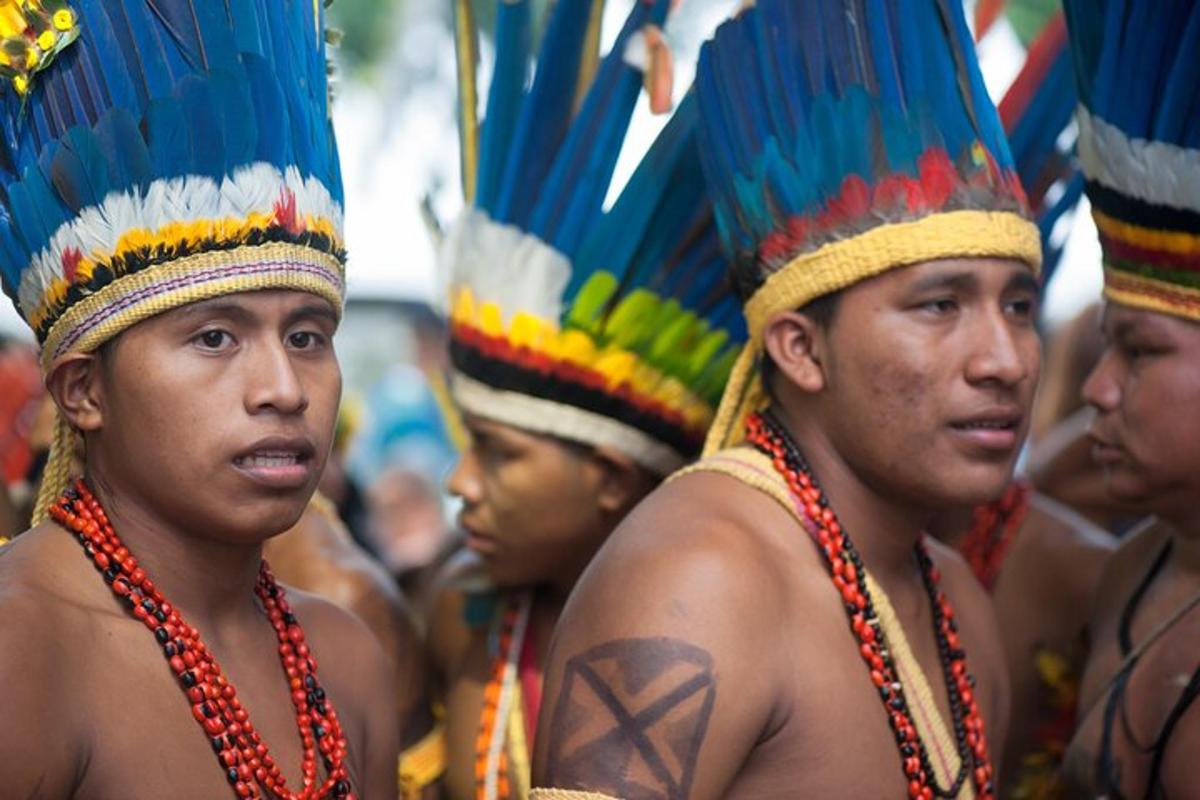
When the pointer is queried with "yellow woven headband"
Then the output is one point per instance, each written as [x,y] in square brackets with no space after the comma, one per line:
[952,234]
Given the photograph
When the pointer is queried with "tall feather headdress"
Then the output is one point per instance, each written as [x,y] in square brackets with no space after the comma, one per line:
[1139,145]
[843,139]
[158,152]
[614,329]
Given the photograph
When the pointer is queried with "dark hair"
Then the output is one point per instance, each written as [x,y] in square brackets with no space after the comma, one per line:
[822,311]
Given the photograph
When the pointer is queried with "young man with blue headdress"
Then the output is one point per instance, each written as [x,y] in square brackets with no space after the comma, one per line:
[1139,148]
[774,622]
[589,350]
[171,231]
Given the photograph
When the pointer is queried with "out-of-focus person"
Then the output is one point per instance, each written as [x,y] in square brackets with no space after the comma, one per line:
[1139,727]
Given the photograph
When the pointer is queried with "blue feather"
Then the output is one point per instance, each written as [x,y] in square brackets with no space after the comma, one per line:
[201,113]
[504,99]
[168,138]
[123,149]
[79,171]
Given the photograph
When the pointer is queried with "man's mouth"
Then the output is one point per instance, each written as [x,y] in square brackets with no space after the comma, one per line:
[280,459]
[994,430]
[278,463]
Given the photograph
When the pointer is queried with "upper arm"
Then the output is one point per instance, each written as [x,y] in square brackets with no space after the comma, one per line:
[37,709]
[649,690]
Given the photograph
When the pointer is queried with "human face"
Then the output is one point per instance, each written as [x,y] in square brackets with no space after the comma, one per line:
[530,507]
[1146,435]
[218,416]
[930,372]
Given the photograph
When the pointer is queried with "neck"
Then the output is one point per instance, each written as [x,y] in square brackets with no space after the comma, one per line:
[1185,546]
[210,582]
[883,531]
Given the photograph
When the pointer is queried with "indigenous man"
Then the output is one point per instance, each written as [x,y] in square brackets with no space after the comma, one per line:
[589,352]
[859,174]
[1139,148]
[171,231]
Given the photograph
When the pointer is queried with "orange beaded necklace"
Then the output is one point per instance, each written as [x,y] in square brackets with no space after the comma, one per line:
[492,778]
[240,751]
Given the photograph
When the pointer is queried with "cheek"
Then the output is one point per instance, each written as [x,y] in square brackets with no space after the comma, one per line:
[1162,415]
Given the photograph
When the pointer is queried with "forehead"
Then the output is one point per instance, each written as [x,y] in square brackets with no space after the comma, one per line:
[1122,320]
[261,303]
[974,271]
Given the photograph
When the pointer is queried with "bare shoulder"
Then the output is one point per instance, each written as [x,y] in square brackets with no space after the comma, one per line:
[39,619]
[658,634]
[337,636]
[1127,565]
[448,635]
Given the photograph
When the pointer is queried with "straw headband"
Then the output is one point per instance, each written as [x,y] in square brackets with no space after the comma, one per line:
[835,266]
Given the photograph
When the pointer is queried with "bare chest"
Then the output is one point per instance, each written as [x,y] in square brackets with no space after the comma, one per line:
[140,737]
[1124,713]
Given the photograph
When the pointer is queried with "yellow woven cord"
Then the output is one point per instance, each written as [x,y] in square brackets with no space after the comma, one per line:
[57,474]
[519,770]
[1138,291]
[926,716]
[568,794]
[285,276]
[953,234]
[423,764]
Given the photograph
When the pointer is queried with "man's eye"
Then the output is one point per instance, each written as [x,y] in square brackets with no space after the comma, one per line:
[940,305]
[214,340]
[1022,308]
[305,340]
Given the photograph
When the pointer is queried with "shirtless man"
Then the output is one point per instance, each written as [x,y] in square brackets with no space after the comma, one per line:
[578,403]
[181,266]
[707,652]
[1139,729]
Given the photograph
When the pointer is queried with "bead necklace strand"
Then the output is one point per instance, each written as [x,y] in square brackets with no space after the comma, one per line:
[243,756]
[849,577]
[993,528]
[492,779]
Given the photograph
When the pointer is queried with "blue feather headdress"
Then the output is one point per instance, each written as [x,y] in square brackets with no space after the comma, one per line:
[1139,145]
[841,139]
[1036,112]
[614,329]
[175,144]
[158,152]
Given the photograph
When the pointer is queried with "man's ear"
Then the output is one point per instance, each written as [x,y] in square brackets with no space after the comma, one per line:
[622,481]
[75,384]
[796,344]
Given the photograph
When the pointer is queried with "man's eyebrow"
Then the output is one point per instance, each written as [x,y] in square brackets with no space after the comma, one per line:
[962,281]
[214,307]
[320,310]
[1025,281]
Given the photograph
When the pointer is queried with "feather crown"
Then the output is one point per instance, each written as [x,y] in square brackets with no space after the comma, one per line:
[609,328]
[841,139]
[173,150]
[1139,145]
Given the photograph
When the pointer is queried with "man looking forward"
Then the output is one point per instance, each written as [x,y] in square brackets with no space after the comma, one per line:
[171,230]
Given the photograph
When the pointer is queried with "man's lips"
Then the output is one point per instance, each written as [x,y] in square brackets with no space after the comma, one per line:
[278,462]
[1104,450]
[480,543]
[995,429]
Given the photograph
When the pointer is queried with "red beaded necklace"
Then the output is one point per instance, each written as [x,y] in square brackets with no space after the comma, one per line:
[849,577]
[215,705]
[993,528]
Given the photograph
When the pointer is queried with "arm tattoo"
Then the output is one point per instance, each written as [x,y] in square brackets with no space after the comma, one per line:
[630,719]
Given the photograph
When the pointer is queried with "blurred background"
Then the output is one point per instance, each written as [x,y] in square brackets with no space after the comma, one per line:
[394,113]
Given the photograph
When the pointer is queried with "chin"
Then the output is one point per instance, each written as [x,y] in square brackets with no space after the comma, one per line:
[257,521]
[974,485]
